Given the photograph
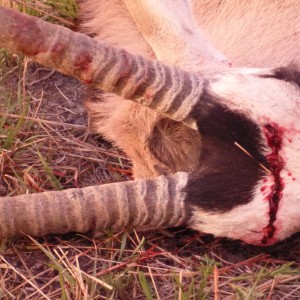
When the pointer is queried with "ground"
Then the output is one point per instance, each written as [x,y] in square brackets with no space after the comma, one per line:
[45,144]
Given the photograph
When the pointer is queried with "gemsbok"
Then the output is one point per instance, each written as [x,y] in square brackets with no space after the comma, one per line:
[218,143]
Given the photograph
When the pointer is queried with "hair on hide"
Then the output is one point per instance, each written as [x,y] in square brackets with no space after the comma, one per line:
[289,73]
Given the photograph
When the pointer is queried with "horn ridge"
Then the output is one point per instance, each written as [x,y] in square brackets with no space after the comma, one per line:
[168,90]
[142,204]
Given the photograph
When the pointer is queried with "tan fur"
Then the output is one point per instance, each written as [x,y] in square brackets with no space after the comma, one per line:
[171,30]
[259,33]
[252,33]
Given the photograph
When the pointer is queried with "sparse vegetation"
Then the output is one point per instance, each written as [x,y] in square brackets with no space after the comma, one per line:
[44,145]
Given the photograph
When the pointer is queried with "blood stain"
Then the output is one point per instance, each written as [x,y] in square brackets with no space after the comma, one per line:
[274,136]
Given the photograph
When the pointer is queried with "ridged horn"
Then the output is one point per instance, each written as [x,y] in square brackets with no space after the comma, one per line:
[142,204]
[168,90]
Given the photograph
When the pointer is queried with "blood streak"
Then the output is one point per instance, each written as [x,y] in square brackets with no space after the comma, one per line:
[83,61]
[82,66]
[274,135]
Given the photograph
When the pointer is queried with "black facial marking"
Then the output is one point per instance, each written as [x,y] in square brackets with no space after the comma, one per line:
[289,73]
[227,176]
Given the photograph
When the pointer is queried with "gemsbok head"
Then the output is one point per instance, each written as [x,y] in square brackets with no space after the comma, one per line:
[247,186]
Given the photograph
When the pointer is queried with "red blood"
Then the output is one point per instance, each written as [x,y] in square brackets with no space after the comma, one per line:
[83,61]
[22,31]
[263,188]
[82,66]
[274,136]
[88,81]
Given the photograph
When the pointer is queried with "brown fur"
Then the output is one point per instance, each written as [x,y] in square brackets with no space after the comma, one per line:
[251,33]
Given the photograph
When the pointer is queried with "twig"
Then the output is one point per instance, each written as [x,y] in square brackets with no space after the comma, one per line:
[216,283]
[73,126]
[24,277]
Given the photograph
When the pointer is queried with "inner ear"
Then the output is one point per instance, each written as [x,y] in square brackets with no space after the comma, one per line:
[175,145]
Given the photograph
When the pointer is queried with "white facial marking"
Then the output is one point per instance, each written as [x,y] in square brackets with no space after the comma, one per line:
[244,222]
[267,101]
[262,98]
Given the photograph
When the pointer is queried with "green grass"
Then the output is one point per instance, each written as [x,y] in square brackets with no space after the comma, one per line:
[64,8]
[57,11]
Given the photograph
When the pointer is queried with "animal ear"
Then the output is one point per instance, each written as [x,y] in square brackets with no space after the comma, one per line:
[163,144]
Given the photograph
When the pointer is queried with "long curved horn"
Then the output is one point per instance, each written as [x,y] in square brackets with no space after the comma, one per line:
[167,90]
[142,204]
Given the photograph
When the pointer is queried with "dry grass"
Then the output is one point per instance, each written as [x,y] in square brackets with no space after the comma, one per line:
[45,145]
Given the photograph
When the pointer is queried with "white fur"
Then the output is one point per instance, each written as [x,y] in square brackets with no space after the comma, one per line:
[266,99]
[288,216]
[244,222]
[248,222]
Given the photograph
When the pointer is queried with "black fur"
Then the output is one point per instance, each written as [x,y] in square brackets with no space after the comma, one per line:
[227,176]
[290,73]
